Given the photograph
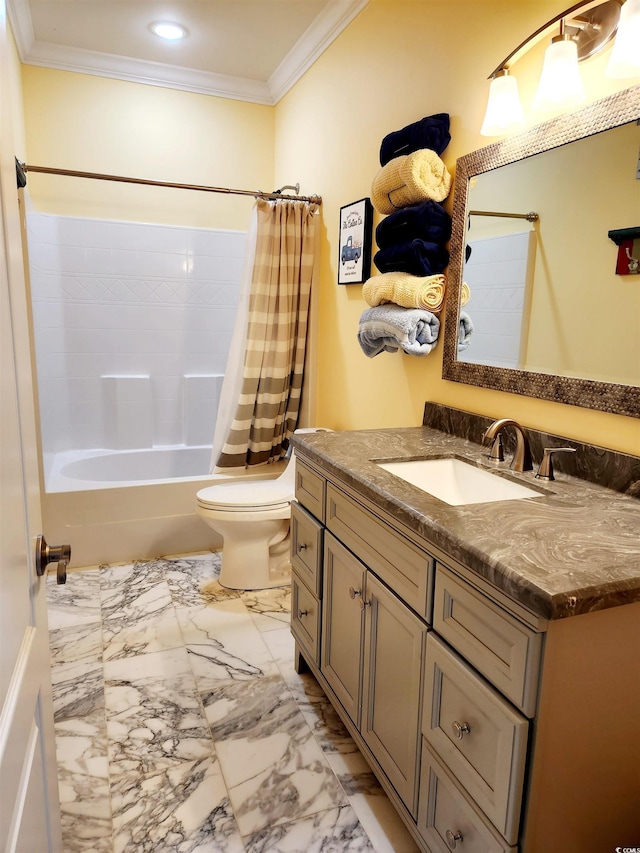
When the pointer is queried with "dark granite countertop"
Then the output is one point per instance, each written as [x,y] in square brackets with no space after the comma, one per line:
[574,549]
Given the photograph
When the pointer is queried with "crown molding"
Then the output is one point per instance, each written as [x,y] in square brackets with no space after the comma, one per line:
[151,73]
[21,25]
[324,30]
[334,18]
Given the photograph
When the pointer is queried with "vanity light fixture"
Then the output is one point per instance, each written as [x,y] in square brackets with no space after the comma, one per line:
[584,29]
[560,85]
[168,30]
[625,56]
[504,109]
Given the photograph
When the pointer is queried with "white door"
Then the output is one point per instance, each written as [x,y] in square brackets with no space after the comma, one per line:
[29,810]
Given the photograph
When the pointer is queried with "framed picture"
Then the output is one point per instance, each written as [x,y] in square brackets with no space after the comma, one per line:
[354,259]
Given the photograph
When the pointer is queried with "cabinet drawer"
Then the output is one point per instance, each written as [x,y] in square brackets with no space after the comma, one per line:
[306,547]
[310,489]
[447,818]
[400,564]
[477,734]
[504,650]
[305,618]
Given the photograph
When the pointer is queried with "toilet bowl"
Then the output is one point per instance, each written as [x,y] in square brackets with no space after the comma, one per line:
[253,519]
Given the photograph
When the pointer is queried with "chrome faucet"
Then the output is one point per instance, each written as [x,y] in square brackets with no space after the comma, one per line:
[522,457]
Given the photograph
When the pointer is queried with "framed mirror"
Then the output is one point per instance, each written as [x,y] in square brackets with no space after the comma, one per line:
[543,312]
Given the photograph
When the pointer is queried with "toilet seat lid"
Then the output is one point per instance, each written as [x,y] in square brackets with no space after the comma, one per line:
[263,494]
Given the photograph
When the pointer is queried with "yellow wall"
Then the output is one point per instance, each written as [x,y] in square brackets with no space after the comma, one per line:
[76,121]
[397,62]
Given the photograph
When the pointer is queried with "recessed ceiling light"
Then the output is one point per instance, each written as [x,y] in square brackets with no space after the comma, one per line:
[169,31]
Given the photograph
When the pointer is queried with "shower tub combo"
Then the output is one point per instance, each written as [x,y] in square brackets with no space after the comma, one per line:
[132,327]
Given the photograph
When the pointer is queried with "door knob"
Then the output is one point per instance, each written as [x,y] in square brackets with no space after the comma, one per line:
[45,554]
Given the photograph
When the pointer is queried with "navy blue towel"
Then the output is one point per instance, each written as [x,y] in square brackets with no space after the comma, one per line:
[430,132]
[416,258]
[426,221]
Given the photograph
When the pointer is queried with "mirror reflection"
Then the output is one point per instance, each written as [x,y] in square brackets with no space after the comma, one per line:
[539,295]
[544,294]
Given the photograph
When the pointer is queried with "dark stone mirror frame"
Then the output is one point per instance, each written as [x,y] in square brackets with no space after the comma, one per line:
[609,112]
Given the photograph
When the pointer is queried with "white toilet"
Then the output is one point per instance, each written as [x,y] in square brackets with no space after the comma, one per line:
[253,517]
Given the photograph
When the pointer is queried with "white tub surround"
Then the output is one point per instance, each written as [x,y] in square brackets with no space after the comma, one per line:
[132,327]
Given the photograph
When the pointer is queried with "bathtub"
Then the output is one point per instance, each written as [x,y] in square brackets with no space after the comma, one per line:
[117,506]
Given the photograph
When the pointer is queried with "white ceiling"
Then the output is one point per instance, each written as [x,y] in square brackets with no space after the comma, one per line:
[250,50]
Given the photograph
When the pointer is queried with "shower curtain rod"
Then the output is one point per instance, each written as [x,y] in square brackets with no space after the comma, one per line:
[530,217]
[277,194]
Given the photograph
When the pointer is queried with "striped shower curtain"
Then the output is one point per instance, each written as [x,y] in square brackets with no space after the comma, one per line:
[267,410]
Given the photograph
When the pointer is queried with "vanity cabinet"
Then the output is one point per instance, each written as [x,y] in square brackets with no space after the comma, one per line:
[481,719]
[367,632]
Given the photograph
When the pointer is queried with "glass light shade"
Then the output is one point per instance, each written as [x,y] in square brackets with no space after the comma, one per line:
[625,56]
[560,85]
[504,110]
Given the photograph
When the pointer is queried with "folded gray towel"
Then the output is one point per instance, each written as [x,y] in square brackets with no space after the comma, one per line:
[465,330]
[388,328]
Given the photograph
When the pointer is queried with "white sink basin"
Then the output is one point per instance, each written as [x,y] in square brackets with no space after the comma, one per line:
[456,482]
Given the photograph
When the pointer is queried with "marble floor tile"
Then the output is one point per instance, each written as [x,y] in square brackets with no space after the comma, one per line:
[81,745]
[318,712]
[224,644]
[332,831]
[181,724]
[383,825]
[124,636]
[83,784]
[154,716]
[78,689]
[194,581]
[184,808]
[86,821]
[270,608]
[136,575]
[132,603]
[274,769]
[76,644]
[75,603]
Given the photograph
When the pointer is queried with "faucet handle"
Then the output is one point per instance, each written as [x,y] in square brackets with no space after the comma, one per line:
[545,471]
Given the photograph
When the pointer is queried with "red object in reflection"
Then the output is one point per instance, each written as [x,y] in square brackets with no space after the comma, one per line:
[622,266]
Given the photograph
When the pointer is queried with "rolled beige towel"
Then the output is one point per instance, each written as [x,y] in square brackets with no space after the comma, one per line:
[465,294]
[408,291]
[410,179]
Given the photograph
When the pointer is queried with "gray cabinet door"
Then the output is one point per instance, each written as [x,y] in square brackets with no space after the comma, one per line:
[394,647]
[342,624]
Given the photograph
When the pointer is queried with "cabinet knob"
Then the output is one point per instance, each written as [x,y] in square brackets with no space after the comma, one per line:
[302,547]
[302,613]
[452,838]
[354,592]
[460,729]
[364,603]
